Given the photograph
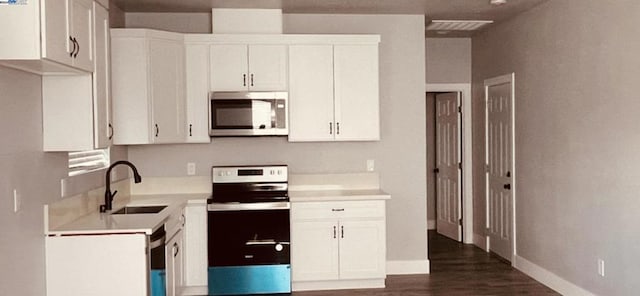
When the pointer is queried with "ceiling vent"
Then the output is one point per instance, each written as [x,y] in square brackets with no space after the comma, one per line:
[456,25]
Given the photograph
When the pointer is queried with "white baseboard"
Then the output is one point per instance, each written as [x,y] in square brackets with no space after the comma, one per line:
[549,279]
[431,224]
[398,267]
[337,285]
[480,241]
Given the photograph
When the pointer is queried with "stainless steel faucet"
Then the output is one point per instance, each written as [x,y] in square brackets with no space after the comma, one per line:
[108,195]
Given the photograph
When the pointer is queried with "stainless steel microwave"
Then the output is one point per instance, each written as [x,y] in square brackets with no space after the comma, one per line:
[248,114]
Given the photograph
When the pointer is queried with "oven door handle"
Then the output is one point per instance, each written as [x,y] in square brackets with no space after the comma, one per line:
[218,207]
[264,242]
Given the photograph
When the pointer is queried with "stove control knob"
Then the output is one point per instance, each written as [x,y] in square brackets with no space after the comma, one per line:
[279,247]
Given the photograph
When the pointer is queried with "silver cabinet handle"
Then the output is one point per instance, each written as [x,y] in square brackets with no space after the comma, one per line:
[337,210]
[341,231]
[176,249]
[244,79]
[334,232]
[337,128]
[157,130]
[251,79]
[331,128]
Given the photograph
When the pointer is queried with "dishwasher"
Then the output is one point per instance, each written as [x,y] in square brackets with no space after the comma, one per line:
[157,274]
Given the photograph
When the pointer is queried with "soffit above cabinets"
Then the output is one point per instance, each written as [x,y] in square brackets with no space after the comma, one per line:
[432,9]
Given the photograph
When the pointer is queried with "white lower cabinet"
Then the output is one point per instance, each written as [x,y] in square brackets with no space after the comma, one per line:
[98,265]
[195,245]
[174,254]
[338,245]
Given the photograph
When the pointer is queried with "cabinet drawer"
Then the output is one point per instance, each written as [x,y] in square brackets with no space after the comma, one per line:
[337,209]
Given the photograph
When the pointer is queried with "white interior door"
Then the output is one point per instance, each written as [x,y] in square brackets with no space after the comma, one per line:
[449,208]
[499,172]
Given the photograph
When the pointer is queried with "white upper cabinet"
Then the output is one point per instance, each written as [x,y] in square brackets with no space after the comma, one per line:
[76,109]
[333,93]
[356,93]
[311,93]
[103,128]
[197,88]
[242,67]
[148,86]
[48,36]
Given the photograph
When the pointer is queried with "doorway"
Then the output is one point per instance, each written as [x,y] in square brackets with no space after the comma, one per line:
[461,225]
[500,168]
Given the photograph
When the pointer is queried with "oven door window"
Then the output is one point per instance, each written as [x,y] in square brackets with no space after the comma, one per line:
[239,238]
[242,114]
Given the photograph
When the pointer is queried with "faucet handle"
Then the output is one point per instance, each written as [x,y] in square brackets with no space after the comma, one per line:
[113,194]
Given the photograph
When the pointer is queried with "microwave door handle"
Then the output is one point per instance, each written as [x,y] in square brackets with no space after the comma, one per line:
[274,112]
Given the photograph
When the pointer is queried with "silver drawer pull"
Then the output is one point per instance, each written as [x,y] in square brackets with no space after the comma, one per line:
[337,210]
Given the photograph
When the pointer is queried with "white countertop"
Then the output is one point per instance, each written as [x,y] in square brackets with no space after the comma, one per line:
[105,223]
[337,195]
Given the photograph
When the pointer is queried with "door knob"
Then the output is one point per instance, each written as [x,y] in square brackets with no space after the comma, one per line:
[507,186]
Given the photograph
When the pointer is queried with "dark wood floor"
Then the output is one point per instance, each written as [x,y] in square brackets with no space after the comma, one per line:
[456,269]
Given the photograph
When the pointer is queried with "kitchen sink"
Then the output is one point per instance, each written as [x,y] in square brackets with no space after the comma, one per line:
[139,210]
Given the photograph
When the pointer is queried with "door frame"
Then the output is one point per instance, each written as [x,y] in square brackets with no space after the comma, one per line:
[467,168]
[507,78]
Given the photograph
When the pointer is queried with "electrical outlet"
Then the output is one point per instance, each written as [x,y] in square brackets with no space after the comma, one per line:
[63,187]
[371,165]
[191,168]
[601,267]
[16,201]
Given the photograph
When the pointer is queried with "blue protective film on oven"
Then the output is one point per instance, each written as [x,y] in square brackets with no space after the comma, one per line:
[251,279]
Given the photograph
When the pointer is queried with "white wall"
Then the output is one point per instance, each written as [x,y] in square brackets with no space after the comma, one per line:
[400,155]
[576,67]
[448,60]
[181,22]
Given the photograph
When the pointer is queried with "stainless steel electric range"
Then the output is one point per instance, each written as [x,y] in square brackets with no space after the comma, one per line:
[248,220]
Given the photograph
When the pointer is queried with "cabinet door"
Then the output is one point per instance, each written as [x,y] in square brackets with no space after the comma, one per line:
[362,249]
[75,267]
[195,245]
[268,67]
[229,67]
[311,93]
[197,89]
[314,250]
[174,264]
[81,28]
[131,112]
[57,45]
[166,72]
[103,130]
[356,92]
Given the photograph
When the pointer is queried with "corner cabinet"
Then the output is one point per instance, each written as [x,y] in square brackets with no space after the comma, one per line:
[338,245]
[333,93]
[148,86]
[243,67]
